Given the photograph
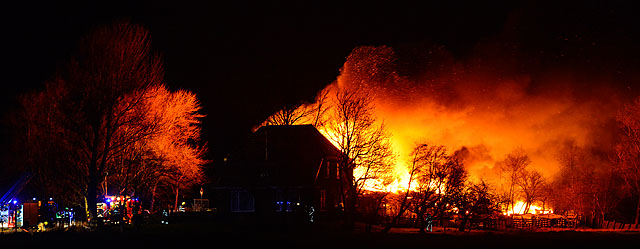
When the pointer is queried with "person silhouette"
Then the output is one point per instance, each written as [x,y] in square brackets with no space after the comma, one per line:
[429,221]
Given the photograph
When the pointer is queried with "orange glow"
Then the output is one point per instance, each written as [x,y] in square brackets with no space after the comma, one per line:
[400,173]
[463,104]
[520,206]
[484,106]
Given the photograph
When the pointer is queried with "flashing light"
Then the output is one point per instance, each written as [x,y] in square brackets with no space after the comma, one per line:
[15,202]
[51,198]
[108,200]
[34,198]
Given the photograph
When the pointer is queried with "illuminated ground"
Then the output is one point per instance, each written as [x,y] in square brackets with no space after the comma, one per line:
[206,236]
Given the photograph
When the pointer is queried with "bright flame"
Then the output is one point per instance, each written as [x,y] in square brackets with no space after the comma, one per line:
[486,107]
[400,171]
[520,206]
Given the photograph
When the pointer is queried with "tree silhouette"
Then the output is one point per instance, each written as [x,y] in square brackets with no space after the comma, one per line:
[302,113]
[628,150]
[435,179]
[475,200]
[512,167]
[111,118]
[531,183]
[365,146]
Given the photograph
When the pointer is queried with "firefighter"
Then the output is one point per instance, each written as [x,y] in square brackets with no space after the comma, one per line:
[429,222]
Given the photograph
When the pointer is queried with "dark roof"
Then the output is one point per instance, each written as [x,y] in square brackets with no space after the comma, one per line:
[281,155]
[300,139]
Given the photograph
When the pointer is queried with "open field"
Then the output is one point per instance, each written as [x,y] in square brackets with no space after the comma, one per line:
[206,236]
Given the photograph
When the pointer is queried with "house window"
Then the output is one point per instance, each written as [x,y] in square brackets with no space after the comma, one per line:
[323,199]
[278,199]
[337,171]
[242,201]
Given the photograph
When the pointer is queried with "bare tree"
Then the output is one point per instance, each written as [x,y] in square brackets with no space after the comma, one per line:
[475,200]
[171,155]
[302,112]
[531,184]
[431,179]
[104,82]
[366,150]
[512,167]
[291,114]
[415,166]
[436,177]
[107,112]
[628,150]
[321,108]
[571,179]
[589,186]
[38,125]
[607,191]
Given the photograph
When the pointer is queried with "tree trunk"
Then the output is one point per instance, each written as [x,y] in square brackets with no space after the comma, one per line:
[350,207]
[463,223]
[92,191]
[86,208]
[422,209]
[637,211]
[403,208]
[175,204]
[153,196]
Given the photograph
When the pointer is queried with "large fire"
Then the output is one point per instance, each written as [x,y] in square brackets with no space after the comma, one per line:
[520,207]
[488,107]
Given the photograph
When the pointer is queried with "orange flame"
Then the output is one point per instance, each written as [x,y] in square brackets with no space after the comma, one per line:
[520,207]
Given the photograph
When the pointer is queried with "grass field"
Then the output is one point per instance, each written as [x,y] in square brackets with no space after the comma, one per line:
[208,236]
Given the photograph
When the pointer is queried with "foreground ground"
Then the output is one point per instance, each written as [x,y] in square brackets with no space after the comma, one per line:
[208,236]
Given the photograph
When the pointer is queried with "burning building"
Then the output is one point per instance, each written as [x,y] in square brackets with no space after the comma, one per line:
[285,175]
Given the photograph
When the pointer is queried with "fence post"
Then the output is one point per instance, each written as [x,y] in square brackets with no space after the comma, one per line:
[614,225]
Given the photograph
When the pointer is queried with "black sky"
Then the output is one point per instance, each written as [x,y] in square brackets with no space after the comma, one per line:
[244,59]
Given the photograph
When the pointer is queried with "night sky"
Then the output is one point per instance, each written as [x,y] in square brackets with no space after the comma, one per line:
[245,59]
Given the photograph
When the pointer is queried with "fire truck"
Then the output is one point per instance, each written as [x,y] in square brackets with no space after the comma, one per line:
[116,209]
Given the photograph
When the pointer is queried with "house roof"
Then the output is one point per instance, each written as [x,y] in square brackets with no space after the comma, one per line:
[281,155]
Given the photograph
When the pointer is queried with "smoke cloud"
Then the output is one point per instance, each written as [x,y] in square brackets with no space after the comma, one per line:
[488,103]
